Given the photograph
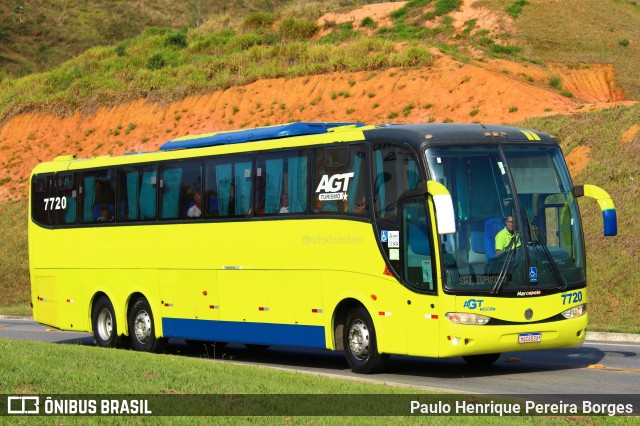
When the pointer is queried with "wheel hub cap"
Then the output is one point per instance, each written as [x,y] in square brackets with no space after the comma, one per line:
[105,324]
[359,339]
[142,327]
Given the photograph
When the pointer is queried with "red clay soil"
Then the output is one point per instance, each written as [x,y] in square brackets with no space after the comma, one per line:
[491,91]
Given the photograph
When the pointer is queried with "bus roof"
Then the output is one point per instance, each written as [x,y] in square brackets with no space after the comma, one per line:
[417,135]
[255,134]
[450,133]
[431,133]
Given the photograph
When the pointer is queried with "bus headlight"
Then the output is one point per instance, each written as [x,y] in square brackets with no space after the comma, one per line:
[575,312]
[466,318]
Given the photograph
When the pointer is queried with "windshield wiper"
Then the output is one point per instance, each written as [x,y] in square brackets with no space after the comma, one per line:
[502,276]
[537,241]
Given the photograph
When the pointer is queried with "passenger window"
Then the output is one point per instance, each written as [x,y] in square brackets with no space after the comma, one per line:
[181,186]
[228,188]
[98,196]
[340,178]
[136,193]
[42,189]
[67,190]
[281,183]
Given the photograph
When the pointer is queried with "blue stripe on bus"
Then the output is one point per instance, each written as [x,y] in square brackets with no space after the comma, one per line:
[311,336]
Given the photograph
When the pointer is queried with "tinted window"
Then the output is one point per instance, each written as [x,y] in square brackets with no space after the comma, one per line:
[281,183]
[137,193]
[98,200]
[228,187]
[181,186]
[339,184]
[42,188]
[395,171]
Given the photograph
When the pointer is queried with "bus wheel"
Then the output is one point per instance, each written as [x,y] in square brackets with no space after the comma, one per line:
[103,321]
[141,329]
[360,345]
[481,360]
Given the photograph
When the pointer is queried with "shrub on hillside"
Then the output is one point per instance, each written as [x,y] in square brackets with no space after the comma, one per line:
[259,20]
[176,39]
[155,62]
[296,29]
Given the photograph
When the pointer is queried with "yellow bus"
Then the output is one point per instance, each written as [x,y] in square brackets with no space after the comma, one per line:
[372,240]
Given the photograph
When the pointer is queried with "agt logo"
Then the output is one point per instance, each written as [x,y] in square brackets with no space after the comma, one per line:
[473,303]
[330,186]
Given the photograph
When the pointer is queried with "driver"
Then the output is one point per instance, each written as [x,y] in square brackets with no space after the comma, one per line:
[507,239]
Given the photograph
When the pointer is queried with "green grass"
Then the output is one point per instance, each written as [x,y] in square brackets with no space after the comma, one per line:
[231,44]
[588,31]
[211,61]
[79,370]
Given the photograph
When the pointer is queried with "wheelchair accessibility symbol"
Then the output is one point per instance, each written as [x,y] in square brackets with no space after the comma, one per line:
[533,274]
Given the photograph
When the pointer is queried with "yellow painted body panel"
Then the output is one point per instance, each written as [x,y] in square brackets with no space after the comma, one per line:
[229,271]
[481,339]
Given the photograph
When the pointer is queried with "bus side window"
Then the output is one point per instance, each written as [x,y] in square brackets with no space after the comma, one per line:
[148,193]
[281,183]
[42,189]
[67,190]
[395,171]
[180,182]
[98,195]
[229,187]
[340,177]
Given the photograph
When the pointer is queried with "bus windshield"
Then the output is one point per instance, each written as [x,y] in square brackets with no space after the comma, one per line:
[517,221]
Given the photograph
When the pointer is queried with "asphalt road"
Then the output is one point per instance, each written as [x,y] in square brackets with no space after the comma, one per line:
[595,368]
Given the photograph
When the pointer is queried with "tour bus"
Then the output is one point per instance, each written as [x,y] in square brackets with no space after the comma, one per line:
[374,240]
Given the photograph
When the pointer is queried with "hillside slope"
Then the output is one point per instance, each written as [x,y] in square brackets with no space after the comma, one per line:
[494,91]
[467,84]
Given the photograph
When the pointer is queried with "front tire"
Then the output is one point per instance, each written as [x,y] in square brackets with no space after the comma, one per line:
[104,324]
[142,330]
[360,343]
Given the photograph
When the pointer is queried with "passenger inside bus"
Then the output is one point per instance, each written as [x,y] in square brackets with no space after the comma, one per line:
[105,214]
[195,210]
[284,206]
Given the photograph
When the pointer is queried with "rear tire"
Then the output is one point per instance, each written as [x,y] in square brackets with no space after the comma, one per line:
[360,343]
[104,325]
[142,330]
[481,360]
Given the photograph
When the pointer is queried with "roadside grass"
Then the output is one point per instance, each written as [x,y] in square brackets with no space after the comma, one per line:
[60,369]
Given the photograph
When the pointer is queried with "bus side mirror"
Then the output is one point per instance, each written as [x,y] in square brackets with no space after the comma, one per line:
[445,218]
[609,217]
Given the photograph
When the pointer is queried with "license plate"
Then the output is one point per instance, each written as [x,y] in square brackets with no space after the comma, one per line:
[529,338]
